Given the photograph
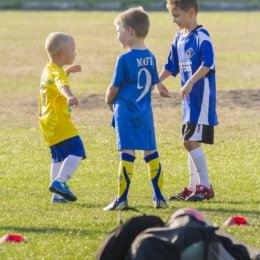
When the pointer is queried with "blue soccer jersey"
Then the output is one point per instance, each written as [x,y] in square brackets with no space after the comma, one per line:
[187,54]
[135,74]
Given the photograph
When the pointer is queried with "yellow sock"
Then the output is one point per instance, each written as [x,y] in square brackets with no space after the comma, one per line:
[156,174]
[125,173]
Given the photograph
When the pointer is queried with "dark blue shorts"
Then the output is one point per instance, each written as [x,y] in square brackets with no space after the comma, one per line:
[71,146]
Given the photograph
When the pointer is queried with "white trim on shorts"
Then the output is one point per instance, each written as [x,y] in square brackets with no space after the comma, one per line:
[197,134]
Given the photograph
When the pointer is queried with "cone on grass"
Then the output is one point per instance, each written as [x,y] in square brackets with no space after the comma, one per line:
[12,238]
[236,221]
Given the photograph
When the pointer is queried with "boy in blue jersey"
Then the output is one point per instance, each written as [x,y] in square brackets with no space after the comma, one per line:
[192,56]
[129,98]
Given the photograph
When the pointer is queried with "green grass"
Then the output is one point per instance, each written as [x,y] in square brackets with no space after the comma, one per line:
[75,231]
[18,3]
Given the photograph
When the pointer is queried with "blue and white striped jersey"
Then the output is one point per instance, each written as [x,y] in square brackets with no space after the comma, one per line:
[187,54]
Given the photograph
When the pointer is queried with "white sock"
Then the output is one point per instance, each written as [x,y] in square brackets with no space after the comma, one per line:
[199,161]
[55,169]
[194,178]
[69,166]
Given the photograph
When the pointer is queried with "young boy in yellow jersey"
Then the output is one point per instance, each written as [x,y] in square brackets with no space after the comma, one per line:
[56,101]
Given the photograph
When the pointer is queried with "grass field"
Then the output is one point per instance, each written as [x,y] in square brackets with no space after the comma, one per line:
[76,230]
[18,2]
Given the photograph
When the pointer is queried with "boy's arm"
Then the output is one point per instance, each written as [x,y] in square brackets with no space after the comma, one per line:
[200,73]
[66,92]
[110,96]
[164,75]
[73,68]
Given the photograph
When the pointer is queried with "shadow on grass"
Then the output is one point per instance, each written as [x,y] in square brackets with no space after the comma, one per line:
[229,211]
[203,206]
[92,206]
[52,230]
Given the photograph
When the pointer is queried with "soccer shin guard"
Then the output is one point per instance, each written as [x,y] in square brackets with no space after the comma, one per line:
[156,174]
[125,173]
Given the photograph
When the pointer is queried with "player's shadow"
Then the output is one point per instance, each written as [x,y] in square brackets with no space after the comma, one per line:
[51,230]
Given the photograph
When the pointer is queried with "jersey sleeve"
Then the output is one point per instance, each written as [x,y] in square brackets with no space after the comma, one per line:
[206,51]
[119,73]
[173,60]
[60,77]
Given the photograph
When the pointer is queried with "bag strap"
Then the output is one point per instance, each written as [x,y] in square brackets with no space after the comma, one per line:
[209,230]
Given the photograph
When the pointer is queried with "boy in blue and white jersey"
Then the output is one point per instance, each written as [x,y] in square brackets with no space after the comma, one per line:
[192,56]
[129,98]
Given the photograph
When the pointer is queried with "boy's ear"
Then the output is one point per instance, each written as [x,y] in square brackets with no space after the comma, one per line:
[192,12]
[61,54]
[129,30]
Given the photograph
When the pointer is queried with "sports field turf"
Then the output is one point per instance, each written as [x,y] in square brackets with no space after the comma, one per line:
[76,230]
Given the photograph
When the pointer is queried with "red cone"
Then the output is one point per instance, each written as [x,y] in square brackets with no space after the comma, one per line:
[236,221]
[12,238]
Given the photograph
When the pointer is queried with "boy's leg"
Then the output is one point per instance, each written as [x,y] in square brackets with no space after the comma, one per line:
[68,167]
[156,176]
[203,188]
[193,135]
[125,173]
[59,186]
[194,178]
[55,169]
[199,161]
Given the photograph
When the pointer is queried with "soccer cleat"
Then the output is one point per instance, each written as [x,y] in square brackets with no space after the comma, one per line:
[182,195]
[62,189]
[160,204]
[201,193]
[56,199]
[117,205]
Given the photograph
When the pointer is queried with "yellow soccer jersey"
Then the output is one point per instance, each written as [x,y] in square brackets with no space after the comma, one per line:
[54,111]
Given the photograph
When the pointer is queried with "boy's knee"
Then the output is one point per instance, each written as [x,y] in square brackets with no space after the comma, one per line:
[190,145]
[185,144]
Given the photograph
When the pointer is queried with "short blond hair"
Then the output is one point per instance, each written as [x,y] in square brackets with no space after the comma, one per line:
[57,42]
[184,5]
[136,18]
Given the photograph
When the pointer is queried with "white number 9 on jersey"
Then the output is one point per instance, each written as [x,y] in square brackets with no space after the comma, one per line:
[147,85]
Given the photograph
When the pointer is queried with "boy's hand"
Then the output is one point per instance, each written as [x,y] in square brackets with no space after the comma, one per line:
[186,89]
[110,96]
[163,91]
[110,106]
[72,101]
[73,68]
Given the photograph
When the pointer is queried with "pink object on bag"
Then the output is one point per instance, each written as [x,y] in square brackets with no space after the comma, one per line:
[236,221]
[12,238]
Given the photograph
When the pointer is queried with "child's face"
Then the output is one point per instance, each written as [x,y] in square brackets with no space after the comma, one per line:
[123,36]
[69,53]
[180,18]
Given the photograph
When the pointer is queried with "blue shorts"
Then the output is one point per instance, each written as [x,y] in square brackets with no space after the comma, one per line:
[143,140]
[71,146]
